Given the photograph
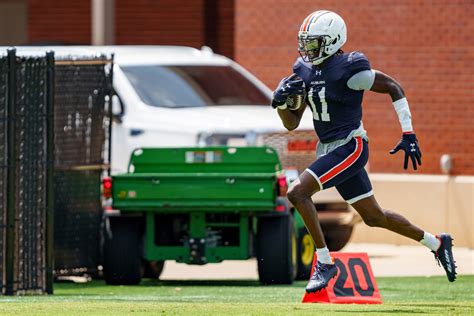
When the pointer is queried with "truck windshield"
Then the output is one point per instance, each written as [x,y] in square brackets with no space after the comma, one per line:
[193,86]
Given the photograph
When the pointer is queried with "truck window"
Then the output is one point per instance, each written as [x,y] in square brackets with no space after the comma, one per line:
[193,86]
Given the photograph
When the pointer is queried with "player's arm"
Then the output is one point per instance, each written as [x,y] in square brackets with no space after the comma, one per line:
[386,84]
[289,86]
[409,143]
[377,81]
[291,118]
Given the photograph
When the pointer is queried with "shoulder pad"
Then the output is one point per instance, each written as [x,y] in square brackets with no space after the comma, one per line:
[358,58]
[355,55]
[356,62]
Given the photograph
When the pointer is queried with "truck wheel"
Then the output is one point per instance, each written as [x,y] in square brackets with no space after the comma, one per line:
[122,252]
[152,269]
[305,254]
[276,249]
[337,236]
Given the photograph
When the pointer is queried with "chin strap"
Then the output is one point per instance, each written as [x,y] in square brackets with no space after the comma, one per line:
[319,61]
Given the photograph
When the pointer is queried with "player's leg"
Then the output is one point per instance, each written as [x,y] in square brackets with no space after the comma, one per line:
[373,215]
[324,173]
[299,194]
[357,191]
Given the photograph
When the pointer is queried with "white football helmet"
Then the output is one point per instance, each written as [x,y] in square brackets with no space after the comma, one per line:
[321,35]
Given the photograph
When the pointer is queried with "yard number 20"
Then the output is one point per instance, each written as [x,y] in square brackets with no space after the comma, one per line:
[341,290]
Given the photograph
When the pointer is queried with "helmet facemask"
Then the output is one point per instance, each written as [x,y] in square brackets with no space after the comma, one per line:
[313,48]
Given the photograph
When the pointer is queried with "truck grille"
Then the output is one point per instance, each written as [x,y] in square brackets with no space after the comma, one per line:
[296,149]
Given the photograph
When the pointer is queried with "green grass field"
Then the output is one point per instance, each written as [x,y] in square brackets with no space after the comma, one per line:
[414,295]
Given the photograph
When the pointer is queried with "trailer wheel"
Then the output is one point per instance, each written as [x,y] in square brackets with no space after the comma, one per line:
[122,252]
[152,269]
[276,249]
[306,250]
[337,236]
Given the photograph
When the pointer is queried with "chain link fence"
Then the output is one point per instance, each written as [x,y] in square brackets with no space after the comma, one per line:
[3,167]
[54,127]
[31,196]
[26,113]
[83,86]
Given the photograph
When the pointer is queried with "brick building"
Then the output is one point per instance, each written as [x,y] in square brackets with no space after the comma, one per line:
[426,45]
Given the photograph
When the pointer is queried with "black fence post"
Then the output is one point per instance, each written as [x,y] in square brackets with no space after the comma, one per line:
[50,171]
[110,114]
[11,174]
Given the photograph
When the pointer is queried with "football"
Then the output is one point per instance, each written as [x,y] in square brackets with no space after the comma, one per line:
[294,102]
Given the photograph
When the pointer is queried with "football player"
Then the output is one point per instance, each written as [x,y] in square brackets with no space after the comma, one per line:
[332,84]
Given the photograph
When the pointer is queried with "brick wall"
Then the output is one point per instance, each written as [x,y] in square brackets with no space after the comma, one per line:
[137,22]
[163,22]
[191,22]
[425,45]
[59,21]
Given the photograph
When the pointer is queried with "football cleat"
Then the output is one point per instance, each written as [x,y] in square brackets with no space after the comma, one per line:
[444,256]
[323,273]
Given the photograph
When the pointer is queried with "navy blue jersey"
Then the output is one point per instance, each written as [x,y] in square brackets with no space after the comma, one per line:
[337,109]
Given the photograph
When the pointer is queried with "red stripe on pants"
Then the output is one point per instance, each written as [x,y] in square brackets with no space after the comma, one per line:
[346,163]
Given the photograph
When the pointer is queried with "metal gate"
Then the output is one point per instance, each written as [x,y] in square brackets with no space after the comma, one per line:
[26,150]
[3,167]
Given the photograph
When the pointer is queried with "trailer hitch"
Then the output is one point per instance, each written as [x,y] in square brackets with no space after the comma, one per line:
[197,250]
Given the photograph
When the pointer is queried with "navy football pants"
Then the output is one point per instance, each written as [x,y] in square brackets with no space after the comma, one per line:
[344,168]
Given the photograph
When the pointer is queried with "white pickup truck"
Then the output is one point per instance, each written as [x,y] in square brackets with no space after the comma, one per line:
[181,96]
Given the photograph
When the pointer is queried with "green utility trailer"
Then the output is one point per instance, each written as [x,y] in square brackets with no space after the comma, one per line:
[198,206]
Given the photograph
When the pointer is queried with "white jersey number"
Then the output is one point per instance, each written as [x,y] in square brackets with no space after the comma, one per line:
[324,106]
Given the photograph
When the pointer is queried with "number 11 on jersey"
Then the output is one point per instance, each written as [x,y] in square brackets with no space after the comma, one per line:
[324,106]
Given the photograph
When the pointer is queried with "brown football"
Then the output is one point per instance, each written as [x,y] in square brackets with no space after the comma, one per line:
[294,102]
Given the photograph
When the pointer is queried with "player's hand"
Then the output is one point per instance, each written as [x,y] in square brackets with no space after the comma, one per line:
[292,85]
[409,144]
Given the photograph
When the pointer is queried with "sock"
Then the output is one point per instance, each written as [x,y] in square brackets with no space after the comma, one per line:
[430,241]
[323,255]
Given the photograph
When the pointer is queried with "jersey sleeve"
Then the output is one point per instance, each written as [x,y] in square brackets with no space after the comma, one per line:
[362,80]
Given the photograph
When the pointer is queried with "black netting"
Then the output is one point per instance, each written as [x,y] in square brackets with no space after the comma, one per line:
[31,164]
[3,166]
[81,127]
[25,173]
